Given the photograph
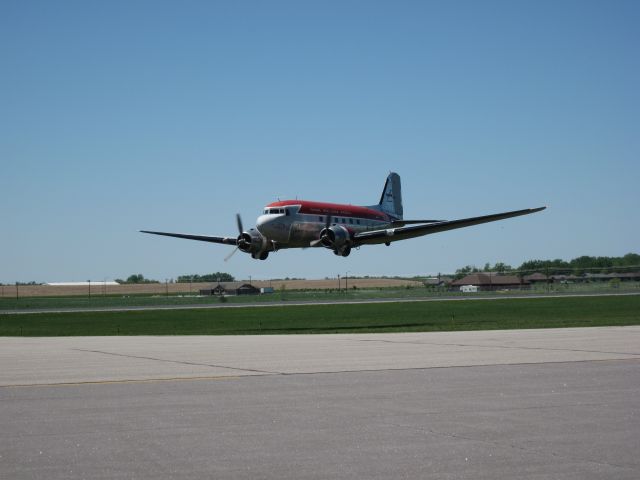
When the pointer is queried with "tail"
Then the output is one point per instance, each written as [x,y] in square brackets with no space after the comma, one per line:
[391,198]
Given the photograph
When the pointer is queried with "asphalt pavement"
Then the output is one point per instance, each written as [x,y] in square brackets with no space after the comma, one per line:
[559,404]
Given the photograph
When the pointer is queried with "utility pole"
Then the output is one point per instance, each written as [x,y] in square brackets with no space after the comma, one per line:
[89,281]
[17,292]
[346,282]
[338,283]
[547,275]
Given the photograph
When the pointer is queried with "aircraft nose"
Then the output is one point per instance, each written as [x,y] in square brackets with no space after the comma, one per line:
[262,223]
[261,220]
[273,227]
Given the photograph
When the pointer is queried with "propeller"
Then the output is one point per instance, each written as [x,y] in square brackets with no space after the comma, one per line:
[231,254]
[239,222]
[326,226]
[239,240]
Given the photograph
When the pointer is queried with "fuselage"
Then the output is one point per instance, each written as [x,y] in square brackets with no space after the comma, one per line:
[296,223]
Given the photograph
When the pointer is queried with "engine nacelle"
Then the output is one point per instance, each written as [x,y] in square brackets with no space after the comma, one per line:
[336,238]
[254,243]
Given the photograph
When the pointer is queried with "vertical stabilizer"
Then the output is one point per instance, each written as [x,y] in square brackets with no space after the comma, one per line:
[391,198]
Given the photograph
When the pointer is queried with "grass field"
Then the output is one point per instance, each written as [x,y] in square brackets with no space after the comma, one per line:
[394,292]
[391,317]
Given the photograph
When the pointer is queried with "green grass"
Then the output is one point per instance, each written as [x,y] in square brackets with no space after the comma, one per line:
[391,317]
[31,303]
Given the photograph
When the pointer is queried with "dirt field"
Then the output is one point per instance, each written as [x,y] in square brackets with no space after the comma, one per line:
[97,288]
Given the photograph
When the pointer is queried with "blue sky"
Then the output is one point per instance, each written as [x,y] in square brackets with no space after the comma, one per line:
[120,116]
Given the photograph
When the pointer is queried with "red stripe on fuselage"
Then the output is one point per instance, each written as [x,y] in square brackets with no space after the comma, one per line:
[333,209]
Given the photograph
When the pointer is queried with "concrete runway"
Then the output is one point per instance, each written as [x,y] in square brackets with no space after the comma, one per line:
[557,403]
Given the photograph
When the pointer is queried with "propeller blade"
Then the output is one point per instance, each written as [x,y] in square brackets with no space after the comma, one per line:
[326,225]
[231,254]
[239,222]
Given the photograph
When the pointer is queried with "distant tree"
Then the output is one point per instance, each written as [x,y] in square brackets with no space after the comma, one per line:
[501,267]
[207,278]
[136,278]
[582,264]
[464,271]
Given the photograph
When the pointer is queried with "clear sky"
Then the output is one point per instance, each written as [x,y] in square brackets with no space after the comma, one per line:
[125,115]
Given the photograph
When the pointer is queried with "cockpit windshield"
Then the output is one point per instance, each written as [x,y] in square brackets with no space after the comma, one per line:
[274,211]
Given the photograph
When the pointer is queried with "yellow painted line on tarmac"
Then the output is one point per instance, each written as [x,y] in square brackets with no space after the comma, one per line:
[123,381]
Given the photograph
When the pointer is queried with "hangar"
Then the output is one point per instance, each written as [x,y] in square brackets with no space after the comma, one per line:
[488,282]
[231,288]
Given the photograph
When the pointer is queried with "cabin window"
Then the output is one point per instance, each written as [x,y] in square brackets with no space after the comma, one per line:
[358,221]
[351,221]
[320,219]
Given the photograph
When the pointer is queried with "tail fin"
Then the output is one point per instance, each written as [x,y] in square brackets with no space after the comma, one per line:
[391,198]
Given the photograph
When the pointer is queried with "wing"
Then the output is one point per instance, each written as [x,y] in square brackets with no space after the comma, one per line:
[402,223]
[202,238]
[403,233]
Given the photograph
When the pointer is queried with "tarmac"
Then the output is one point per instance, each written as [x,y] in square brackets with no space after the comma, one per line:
[553,403]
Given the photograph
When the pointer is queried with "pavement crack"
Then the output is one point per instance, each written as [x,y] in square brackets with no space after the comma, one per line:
[180,362]
[510,347]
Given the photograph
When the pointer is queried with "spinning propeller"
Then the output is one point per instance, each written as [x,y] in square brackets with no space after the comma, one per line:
[240,241]
[323,234]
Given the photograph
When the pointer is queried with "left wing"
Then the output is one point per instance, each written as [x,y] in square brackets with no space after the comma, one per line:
[202,238]
[403,233]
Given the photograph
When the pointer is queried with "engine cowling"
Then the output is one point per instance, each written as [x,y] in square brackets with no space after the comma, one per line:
[254,243]
[336,238]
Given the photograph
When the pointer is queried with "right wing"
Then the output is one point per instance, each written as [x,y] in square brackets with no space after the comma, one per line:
[202,238]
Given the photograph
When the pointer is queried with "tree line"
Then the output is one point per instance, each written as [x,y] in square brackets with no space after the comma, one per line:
[207,278]
[576,266]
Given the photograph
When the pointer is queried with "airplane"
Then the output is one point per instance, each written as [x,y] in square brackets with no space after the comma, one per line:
[337,227]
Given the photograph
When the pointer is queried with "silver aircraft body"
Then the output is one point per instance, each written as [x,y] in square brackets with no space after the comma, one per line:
[337,227]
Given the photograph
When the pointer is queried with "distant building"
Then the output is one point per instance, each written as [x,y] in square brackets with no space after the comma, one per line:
[604,277]
[231,288]
[439,281]
[487,282]
[536,278]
